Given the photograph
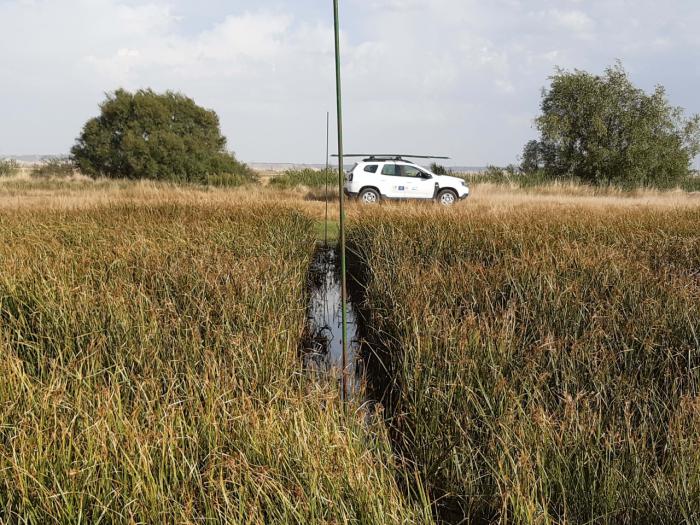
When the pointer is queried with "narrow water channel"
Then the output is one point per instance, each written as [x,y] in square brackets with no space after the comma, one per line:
[369,380]
[323,349]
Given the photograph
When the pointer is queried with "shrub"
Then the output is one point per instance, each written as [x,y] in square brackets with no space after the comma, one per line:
[542,178]
[145,135]
[495,175]
[8,168]
[439,169]
[54,167]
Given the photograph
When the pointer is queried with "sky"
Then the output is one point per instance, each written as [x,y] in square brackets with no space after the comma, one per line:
[461,78]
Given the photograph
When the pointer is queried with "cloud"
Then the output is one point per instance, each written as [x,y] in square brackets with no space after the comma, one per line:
[575,21]
[461,77]
[235,46]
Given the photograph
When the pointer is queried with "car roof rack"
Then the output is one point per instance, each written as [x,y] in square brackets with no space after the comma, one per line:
[369,157]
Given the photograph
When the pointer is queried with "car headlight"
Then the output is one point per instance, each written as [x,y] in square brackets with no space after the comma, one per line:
[464,183]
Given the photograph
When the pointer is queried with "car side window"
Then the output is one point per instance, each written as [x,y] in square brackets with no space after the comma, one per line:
[371,168]
[389,169]
[412,171]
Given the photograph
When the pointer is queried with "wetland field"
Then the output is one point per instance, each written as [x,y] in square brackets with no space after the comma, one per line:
[531,356]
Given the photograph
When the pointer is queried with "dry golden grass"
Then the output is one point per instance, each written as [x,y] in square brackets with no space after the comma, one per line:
[24,191]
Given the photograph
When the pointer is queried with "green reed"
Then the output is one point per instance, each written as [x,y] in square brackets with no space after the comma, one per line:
[542,364]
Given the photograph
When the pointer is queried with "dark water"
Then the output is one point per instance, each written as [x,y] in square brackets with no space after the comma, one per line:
[323,349]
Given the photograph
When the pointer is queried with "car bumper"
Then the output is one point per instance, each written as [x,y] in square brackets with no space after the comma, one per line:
[351,194]
[466,191]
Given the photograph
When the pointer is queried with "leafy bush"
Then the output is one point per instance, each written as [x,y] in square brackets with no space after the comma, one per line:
[145,135]
[604,130]
[8,168]
[439,169]
[307,177]
[54,167]
[533,157]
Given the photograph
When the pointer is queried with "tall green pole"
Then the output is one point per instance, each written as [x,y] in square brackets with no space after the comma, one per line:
[341,184]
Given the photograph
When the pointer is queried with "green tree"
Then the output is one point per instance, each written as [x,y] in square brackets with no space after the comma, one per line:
[603,129]
[145,135]
[533,158]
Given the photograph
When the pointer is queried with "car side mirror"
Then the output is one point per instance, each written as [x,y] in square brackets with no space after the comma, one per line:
[427,176]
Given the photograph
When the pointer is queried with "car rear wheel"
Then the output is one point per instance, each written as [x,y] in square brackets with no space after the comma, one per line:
[447,197]
[369,196]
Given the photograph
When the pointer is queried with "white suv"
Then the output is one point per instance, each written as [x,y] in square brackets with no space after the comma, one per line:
[379,178]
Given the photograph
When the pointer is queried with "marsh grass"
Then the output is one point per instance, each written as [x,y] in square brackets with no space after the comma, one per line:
[244,177]
[316,185]
[307,178]
[539,181]
[150,373]
[321,195]
[542,364]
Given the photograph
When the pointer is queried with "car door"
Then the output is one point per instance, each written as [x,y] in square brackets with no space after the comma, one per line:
[391,185]
[419,183]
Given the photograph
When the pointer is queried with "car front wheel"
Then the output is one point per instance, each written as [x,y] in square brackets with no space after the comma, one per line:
[369,196]
[447,197]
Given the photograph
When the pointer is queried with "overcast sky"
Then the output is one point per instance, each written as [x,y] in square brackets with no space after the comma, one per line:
[455,77]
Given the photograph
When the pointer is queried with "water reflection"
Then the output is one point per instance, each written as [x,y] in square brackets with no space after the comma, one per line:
[324,347]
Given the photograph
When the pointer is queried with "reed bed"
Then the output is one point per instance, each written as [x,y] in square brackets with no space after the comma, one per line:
[539,364]
[150,374]
[307,178]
